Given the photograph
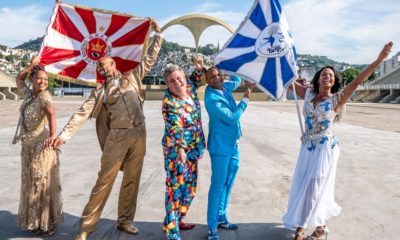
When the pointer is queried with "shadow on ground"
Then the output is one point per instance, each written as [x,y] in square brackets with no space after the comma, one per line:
[106,229]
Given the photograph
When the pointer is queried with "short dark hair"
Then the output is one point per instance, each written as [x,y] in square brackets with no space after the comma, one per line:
[36,69]
[336,86]
[208,70]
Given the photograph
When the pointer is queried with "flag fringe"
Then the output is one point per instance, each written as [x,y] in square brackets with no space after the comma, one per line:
[104,10]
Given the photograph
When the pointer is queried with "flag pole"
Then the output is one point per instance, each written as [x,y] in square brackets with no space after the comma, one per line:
[298,113]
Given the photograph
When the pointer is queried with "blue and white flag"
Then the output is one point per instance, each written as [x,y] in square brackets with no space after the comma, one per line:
[262,49]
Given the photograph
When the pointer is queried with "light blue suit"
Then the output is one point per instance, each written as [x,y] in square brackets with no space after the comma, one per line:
[224,132]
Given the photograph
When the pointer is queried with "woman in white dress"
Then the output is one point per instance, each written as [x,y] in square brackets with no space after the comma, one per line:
[311,200]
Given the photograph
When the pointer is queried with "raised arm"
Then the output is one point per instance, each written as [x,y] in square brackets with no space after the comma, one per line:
[152,53]
[234,82]
[351,87]
[136,75]
[224,113]
[299,87]
[195,78]
[20,80]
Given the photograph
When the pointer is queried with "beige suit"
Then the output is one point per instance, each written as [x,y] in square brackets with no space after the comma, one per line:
[117,106]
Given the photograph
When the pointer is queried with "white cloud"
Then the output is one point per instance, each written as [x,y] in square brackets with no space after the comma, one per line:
[209,6]
[20,25]
[345,30]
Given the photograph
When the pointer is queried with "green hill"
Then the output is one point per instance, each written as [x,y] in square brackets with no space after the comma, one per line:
[320,61]
[33,45]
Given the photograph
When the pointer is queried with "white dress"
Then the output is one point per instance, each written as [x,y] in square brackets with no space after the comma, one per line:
[311,200]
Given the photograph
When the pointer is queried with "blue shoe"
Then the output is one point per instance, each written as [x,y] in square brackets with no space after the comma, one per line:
[173,236]
[224,223]
[213,234]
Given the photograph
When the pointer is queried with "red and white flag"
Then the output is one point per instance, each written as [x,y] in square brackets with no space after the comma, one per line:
[78,37]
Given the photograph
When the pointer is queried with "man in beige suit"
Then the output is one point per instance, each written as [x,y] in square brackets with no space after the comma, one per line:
[117,106]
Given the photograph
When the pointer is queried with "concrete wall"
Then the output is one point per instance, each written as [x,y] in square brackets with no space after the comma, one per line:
[394,94]
[8,93]
[156,92]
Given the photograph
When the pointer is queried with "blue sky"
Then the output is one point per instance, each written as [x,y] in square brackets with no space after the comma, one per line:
[352,31]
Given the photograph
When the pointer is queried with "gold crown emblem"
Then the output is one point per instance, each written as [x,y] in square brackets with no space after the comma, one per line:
[97,47]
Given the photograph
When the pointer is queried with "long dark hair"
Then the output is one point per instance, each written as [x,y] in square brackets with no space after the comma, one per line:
[35,70]
[336,86]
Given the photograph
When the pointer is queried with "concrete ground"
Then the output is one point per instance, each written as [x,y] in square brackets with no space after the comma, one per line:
[367,182]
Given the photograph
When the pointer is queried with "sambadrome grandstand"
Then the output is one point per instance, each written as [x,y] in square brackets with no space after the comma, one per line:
[384,89]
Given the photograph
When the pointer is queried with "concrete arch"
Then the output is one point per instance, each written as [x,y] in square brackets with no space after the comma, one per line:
[197,23]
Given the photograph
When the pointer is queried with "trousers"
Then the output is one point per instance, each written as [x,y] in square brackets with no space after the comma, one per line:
[124,149]
[181,183]
[224,170]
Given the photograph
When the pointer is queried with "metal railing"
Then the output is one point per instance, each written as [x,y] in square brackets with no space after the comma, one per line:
[84,92]
[380,87]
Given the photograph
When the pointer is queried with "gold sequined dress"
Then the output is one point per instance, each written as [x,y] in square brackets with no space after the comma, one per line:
[40,206]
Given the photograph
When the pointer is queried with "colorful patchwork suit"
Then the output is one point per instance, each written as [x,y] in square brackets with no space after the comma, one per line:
[183,129]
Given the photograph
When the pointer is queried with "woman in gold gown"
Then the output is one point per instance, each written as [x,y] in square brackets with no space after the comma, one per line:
[40,207]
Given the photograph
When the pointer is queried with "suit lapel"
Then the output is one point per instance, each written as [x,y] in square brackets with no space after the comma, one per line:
[98,101]
[218,96]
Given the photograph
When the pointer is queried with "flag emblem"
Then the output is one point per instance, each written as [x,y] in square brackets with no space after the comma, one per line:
[273,41]
[78,37]
[262,49]
[94,47]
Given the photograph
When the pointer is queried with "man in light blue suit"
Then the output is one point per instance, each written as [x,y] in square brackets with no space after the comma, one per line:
[224,133]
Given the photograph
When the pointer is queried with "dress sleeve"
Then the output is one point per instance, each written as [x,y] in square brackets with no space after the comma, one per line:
[336,98]
[194,80]
[45,99]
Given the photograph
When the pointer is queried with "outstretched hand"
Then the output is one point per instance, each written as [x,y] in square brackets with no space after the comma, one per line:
[35,61]
[199,63]
[385,51]
[249,85]
[20,80]
[154,25]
